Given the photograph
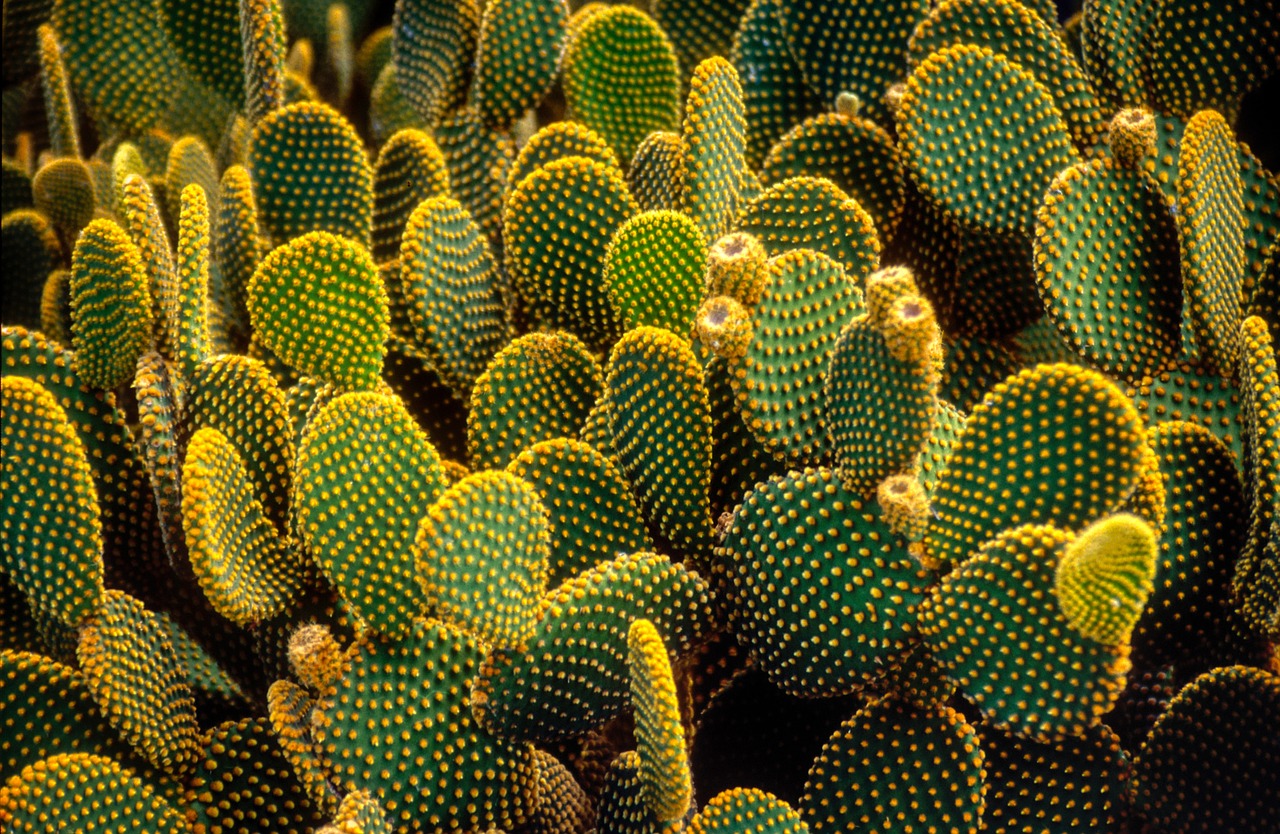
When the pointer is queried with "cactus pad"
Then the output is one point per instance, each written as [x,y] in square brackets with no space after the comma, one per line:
[741,810]
[428,49]
[664,766]
[654,271]
[557,141]
[518,57]
[110,305]
[713,168]
[1104,578]
[410,169]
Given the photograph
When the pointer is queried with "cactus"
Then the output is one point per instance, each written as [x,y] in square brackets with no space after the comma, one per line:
[665,780]
[517,57]
[654,269]
[32,251]
[110,305]
[410,168]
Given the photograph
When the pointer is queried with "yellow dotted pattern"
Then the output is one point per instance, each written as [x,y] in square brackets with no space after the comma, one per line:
[63,192]
[314,656]
[410,169]
[893,767]
[366,475]
[85,793]
[189,162]
[1257,579]
[205,35]
[654,269]
[31,254]
[1055,444]
[399,724]
[557,141]
[665,780]
[263,40]
[989,164]
[359,813]
[655,172]
[311,174]
[1106,263]
[140,217]
[621,77]
[430,50]
[1105,576]
[807,300]
[51,533]
[537,388]
[64,133]
[736,268]
[556,229]
[160,432]
[563,806]
[747,811]
[995,626]
[904,505]
[319,303]
[246,571]
[340,51]
[237,244]
[110,306]
[1210,216]
[479,159]
[660,420]
[724,328]
[192,312]
[713,169]
[1147,501]
[1181,391]
[1132,137]
[289,708]
[132,671]
[518,57]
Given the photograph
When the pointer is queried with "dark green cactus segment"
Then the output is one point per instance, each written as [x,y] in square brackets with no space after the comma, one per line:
[140,216]
[410,169]
[572,676]
[244,784]
[389,112]
[1184,392]
[128,83]
[559,272]
[563,806]
[539,387]
[1221,724]
[1256,584]
[985,173]
[1262,227]
[310,174]
[699,31]
[289,708]
[398,723]
[807,300]
[1132,243]
[15,187]
[654,175]
[86,793]
[31,251]
[478,158]
[50,527]
[665,780]
[738,460]
[191,314]
[161,435]
[64,133]
[430,50]
[947,431]
[1014,30]
[854,153]
[621,78]
[996,293]
[592,513]
[813,213]
[622,808]
[238,396]
[660,421]
[557,141]
[742,810]
[237,245]
[214,690]
[450,284]
[1087,440]
[63,191]
[517,57]
[791,541]
[130,667]
[774,93]
[973,366]
[1001,605]
[850,48]
[1210,215]
[22,20]
[1076,781]
[366,475]
[1111,35]
[206,37]
[319,303]
[262,42]
[190,162]
[713,168]
[110,305]
[871,773]
[339,67]
[654,270]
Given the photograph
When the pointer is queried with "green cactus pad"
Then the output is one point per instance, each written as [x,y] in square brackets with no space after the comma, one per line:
[214,690]
[974,365]
[1084,441]
[85,793]
[563,806]
[237,247]
[665,780]
[319,303]
[398,723]
[948,428]
[1104,578]
[539,387]
[699,31]
[1014,30]
[1210,215]
[31,251]
[206,37]
[140,217]
[262,34]
[52,535]
[244,784]
[995,627]
[713,169]
[589,504]
[110,305]
[359,813]
[807,300]
[1111,36]
[189,162]
[870,772]
[479,158]
[738,460]
[985,171]
[1103,227]
[310,174]
[559,272]
[1076,781]
[191,315]
[247,572]
[660,421]
[1256,584]
[621,808]
[64,133]
[743,810]
[366,475]
[811,213]
[64,193]
[573,676]
[430,50]
[621,78]
[1220,725]
[557,141]
[289,708]
[654,270]
[858,156]
[1184,392]
[16,190]
[410,169]
[518,57]
[130,667]
[791,544]
[450,283]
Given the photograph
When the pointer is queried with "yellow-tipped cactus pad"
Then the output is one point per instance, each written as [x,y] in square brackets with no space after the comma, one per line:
[110,305]
[664,766]
[1104,578]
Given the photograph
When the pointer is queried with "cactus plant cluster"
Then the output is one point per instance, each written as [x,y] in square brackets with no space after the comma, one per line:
[707,416]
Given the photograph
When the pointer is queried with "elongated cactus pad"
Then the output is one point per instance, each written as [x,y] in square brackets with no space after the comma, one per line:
[478,157]
[31,251]
[664,765]
[518,56]
[655,172]
[410,169]
[654,270]
[289,708]
[206,37]
[428,47]
[1181,391]
[1256,584]
[110,305]
[262,41]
